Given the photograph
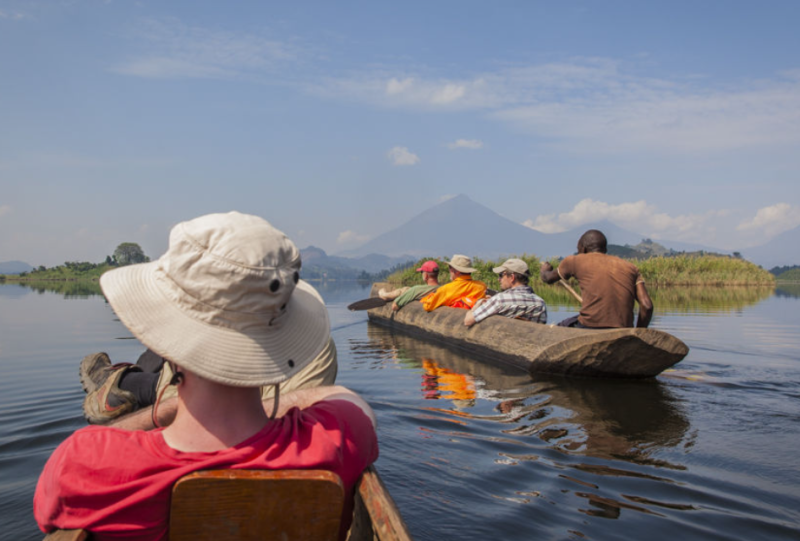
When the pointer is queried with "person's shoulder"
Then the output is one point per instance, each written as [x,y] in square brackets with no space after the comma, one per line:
[86,446]
[109,436]
[622,262]
[340,413]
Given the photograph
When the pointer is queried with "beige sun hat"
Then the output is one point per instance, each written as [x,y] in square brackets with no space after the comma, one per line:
[513,265]
[225,302]
[461,263]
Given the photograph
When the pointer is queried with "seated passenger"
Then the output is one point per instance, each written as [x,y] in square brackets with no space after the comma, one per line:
[404,295]
[609,286]
[225,306]
[461,292]
[517,299]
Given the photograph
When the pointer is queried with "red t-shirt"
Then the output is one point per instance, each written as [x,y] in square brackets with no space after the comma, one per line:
[117,483]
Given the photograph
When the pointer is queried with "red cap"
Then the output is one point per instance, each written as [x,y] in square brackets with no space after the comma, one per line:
[429,266]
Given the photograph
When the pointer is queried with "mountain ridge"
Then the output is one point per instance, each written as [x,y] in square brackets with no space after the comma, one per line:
[14,267]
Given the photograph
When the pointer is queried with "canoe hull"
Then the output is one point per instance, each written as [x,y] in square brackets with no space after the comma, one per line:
[618,353]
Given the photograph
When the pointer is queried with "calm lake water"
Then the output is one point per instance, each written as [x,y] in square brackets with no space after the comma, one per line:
[471,451]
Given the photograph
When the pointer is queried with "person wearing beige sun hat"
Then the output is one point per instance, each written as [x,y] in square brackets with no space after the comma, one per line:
[461,292]
[517,300]
[115,390]
[226,308]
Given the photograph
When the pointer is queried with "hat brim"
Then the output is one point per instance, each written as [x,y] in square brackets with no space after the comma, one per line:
[459,268]
[255,356]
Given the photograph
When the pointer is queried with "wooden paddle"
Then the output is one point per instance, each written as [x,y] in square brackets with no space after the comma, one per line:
[366,304]
[569,288]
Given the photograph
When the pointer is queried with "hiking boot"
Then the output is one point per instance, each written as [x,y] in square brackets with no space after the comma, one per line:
[94,371]
[105,401]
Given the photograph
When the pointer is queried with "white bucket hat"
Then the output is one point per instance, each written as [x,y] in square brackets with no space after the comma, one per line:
[462,264]
[225,302]
[514,265]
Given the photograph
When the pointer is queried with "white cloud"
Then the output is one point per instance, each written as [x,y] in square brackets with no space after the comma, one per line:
[180,52]
[638,216]
[410,92]
[14,16]
[473,144]
[447,197]
[773,220]
[402,156]
[4,209]
[351,237]
[597,105]
[588,210]
[395,86]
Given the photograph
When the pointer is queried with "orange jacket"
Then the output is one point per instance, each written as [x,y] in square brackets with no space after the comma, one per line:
[462,292]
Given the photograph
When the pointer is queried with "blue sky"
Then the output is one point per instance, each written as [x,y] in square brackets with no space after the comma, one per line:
[338,121]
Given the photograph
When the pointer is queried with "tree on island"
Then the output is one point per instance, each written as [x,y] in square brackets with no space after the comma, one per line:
[129,253]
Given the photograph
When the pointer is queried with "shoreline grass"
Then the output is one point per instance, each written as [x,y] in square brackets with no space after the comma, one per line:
[705,270]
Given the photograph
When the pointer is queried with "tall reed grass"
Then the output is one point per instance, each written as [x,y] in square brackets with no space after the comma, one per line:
[705,270]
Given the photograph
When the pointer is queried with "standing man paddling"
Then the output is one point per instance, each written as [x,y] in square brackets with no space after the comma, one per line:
[517,300]
[609,286]
[226,308]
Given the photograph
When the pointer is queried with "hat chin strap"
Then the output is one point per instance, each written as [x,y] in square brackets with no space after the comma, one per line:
[276,399]
[177,377]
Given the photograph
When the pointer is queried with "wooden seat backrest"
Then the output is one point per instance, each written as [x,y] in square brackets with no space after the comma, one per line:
[375,516]
[256,504]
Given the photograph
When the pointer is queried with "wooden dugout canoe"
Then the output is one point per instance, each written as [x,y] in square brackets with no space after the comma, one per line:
[616,353]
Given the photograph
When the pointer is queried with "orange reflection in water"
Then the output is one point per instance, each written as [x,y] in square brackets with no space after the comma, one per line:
[439,382]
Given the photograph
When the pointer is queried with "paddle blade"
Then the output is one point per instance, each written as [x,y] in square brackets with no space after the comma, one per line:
[366,304]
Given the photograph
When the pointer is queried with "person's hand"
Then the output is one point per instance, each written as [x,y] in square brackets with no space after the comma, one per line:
[395,308]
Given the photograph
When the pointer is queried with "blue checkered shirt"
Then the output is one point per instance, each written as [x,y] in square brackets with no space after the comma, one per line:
[518,302]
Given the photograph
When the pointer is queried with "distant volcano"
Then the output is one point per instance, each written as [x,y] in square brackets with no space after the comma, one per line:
[462,226]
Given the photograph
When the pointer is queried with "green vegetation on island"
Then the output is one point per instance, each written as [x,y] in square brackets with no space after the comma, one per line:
[787,274]
[126,253]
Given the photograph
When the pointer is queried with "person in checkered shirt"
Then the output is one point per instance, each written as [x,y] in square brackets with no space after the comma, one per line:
[517,300]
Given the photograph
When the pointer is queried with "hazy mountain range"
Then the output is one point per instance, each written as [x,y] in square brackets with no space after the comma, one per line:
[463,226]
[14,267]
[782,250]
[315,261]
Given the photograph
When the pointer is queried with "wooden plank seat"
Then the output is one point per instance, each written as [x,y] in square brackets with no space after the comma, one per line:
[239,504]
[273,504]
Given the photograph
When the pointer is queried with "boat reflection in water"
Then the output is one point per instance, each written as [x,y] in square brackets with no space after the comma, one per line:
[610,419]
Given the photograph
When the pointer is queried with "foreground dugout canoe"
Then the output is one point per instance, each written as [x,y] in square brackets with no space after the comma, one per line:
[375,515]
[618,353]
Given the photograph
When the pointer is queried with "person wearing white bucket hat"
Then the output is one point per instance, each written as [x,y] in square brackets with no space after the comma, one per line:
[225,306]
[461,291]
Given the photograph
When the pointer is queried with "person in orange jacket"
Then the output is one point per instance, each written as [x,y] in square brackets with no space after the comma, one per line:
[461,292]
